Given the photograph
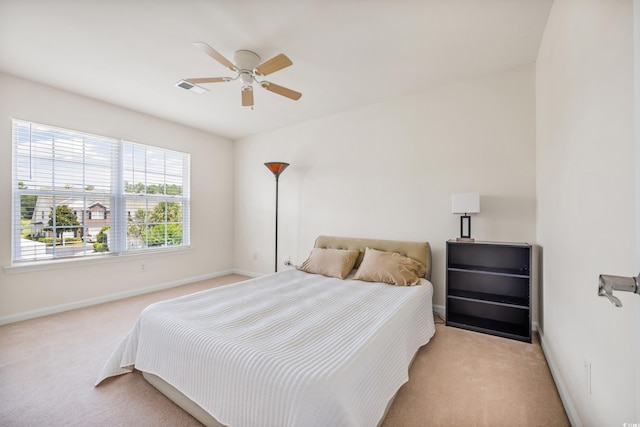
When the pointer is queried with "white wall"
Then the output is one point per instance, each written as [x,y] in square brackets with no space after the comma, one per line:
[388,171]
[31,293]
[586,204]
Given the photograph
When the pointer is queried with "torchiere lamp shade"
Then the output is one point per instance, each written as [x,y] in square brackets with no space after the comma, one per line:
[277,167]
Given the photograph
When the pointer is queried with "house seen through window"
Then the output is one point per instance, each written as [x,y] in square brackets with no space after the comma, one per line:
[77,194]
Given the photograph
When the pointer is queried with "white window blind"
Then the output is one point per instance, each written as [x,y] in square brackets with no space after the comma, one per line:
[76,194]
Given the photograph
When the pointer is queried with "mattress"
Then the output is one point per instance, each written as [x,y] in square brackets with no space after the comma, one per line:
[287,349]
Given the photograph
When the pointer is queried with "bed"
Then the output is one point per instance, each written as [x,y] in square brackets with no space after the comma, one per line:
[293,348]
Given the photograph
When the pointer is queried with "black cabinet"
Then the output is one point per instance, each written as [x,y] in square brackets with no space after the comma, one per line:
[489,288]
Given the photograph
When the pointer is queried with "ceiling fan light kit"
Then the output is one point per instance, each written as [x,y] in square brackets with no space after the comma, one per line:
[247,65]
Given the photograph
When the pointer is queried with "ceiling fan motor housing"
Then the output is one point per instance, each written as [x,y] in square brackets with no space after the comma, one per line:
[246,61]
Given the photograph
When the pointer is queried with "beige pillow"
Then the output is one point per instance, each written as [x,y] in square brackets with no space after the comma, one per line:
[330,262]
[389,267]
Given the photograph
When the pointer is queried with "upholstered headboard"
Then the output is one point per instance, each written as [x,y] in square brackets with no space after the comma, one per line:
[420,251]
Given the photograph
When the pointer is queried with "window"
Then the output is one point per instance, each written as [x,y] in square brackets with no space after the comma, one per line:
[96,215]
[77,194]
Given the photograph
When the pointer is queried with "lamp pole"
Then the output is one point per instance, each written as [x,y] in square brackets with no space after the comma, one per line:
[277,168]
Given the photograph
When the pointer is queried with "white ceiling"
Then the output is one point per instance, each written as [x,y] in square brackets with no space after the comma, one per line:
[345,54]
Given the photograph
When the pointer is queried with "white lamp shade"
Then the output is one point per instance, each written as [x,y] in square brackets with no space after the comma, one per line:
[465,203]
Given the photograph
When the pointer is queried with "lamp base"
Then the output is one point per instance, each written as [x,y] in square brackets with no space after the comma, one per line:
[465,239]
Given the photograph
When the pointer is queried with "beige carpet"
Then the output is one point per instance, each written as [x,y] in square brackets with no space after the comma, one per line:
[48,367]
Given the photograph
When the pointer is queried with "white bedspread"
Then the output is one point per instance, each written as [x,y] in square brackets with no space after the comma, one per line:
[287,349]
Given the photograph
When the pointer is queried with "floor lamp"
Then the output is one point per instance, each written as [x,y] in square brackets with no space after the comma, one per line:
[277,168]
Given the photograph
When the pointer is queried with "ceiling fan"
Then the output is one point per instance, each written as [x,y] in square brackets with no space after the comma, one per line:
[247,65]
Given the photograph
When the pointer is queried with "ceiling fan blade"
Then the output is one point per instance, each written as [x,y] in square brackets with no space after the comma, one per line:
[280,90]
[208,80]
[274,64]
[215,55]
[247,98]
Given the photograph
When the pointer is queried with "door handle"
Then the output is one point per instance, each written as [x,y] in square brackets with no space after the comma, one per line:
[607,284]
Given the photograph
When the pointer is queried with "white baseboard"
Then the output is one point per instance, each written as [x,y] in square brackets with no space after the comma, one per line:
[246,273]
[26,315]
[439,309]
[567,402]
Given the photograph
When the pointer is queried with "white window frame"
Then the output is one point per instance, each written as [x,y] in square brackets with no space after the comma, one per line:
[117,197]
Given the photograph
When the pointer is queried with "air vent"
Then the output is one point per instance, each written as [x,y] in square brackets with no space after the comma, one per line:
[191,87]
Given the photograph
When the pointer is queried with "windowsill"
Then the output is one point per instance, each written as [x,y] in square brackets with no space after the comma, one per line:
[28,267]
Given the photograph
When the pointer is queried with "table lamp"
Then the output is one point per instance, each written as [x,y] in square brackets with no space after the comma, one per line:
[465,203]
